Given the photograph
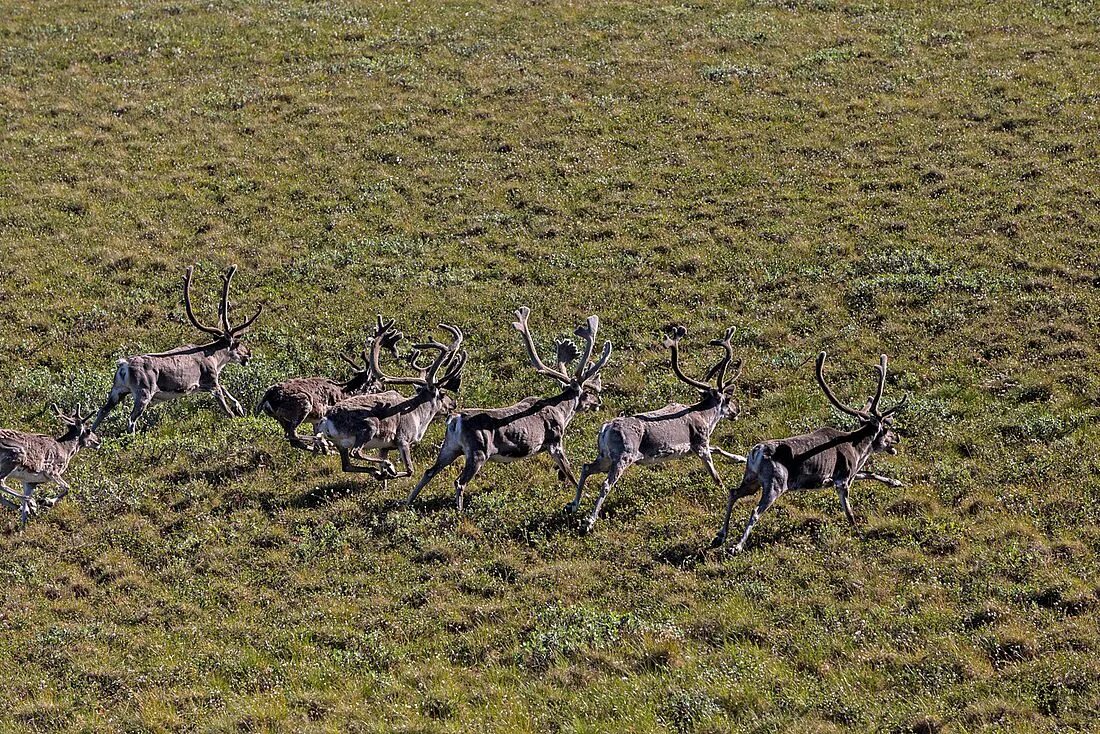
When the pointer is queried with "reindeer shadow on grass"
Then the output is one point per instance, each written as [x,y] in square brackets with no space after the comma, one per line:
[327,493]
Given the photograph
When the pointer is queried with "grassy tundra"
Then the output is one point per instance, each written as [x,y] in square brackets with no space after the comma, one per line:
[912,178]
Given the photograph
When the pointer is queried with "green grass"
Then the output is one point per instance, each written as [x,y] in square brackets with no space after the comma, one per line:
[912,178]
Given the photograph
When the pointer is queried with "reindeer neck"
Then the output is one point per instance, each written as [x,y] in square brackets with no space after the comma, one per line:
[711,410]
[69,443]
[567,401]
[861,440]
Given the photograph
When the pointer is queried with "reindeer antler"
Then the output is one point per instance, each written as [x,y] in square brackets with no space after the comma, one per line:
[223,310]
[673,335]
[521,326]
[224,330]
[214,332]
[720,367]
[588,334]
[871,410]
[447,355]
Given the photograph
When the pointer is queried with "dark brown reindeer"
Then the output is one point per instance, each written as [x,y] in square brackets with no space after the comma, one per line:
[827,456]
[155,378]
[673,432]
[531,426]
[389,421]
[35,459]
[300,399]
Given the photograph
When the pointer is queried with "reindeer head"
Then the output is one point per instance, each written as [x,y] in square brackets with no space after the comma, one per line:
[585,380]
[224,334]
[451,360]
[77,427]
[363,377]
[885,439]
[721,391]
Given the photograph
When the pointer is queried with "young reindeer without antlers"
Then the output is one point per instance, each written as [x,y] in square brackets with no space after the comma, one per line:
[827,456]
[389,421]
[155,378]
[532,425]
[673,432]
[36,459]
[300,399]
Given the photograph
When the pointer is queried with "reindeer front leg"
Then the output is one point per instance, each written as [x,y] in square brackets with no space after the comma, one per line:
[29,506]
[842,492]
[405,451]
[888,481]
[52,501]
[738,458]
[225,399]
[347,465]
[703,452]
[565,472]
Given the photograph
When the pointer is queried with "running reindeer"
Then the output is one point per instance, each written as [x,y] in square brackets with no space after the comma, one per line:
[533,425]
[673,432]
[827,456]
[155,378]
[388,420]
[300,399]
[35,459]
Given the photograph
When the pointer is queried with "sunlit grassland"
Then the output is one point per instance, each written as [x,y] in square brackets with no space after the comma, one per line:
[918,179]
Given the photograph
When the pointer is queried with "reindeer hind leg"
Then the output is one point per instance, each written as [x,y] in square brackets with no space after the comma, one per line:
[474,462]
[613,476]
[446,458]
[773,482]
[749,484]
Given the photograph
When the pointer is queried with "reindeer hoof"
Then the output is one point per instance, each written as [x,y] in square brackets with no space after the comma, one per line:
[571,507]
[718,541]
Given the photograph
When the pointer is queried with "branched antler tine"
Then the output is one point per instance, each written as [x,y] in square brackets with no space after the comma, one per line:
[521,326]
[719,368]
[247,323]
[588,334]
[354,365]
[384,329]
[820,375]
[412,358]
[223,307]
[672,342]
[896,407]
[455,365]
[455,332]
[187,305]
[739,366]
[873,407]
[598,365]
[445,355]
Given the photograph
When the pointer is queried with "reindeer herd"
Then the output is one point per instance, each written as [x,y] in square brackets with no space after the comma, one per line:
[364,413]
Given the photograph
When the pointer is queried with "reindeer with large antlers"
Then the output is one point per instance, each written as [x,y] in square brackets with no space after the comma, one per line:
[389,421]
[300,399]
[35,459]
[673,432]
[827,456]
[154,378]
[531,426]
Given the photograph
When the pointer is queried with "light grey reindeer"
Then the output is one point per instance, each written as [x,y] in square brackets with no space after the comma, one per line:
[389,421]
[300,399]
[531,426]
[35,459]
[826,456]
[155,378]
[673,432]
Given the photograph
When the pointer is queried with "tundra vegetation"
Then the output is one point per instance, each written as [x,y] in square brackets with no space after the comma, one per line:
[910,178]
